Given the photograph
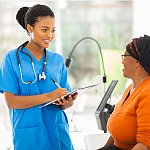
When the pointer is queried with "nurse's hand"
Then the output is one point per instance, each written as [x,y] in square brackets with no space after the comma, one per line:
[57,93]
[66,102]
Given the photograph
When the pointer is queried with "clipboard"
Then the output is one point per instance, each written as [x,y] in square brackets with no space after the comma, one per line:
[72,93]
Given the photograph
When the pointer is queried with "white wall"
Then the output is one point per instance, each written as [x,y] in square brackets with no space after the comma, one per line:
[141,17]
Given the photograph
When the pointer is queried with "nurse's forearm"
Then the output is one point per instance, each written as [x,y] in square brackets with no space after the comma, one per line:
[20,102]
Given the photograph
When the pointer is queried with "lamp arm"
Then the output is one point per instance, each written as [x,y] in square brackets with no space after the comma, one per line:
[100,51]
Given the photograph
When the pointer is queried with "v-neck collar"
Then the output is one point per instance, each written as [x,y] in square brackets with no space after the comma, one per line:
[34,59]
[124,101]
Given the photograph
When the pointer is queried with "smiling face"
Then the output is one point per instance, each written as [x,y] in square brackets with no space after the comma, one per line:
[130,65]
[42,32]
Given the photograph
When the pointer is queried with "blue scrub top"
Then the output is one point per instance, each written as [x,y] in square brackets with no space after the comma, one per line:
[35,128]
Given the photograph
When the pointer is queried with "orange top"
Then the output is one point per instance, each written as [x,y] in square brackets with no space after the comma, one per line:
[130,121]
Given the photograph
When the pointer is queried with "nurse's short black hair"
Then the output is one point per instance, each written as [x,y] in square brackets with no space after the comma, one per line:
[30,15]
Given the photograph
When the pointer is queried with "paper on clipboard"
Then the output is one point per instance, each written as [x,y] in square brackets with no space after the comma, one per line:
[72,93]
[85,88]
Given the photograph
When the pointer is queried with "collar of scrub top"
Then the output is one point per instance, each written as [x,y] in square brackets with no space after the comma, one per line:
[42,75]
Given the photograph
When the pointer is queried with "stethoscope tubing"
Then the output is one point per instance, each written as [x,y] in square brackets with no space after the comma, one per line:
[34,75]
[32,63]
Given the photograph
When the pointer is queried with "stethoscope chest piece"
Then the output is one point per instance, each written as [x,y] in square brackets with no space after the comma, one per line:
[42,76]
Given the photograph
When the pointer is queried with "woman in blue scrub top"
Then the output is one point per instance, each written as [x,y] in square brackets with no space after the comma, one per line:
[26,83]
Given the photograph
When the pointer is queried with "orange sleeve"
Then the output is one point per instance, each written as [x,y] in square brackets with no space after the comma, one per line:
[143,118]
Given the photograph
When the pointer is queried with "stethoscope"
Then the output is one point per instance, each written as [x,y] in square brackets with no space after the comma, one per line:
[42,75]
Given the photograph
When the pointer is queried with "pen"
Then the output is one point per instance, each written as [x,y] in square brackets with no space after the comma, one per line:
[55,82]
[53,100]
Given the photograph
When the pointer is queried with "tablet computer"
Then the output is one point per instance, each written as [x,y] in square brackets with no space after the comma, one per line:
[72,93]
[101,112]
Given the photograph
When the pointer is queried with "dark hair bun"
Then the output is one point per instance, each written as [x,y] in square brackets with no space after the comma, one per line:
[20,16]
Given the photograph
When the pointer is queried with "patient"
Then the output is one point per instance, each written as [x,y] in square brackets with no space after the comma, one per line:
[129,124]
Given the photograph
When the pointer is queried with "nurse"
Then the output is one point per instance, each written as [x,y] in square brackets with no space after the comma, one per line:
[26,74]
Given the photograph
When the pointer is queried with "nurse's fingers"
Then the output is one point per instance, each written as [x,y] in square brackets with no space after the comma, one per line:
[74,96]
[68,98]
[63,101]
[71,98]
[61,91]
[57,93]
